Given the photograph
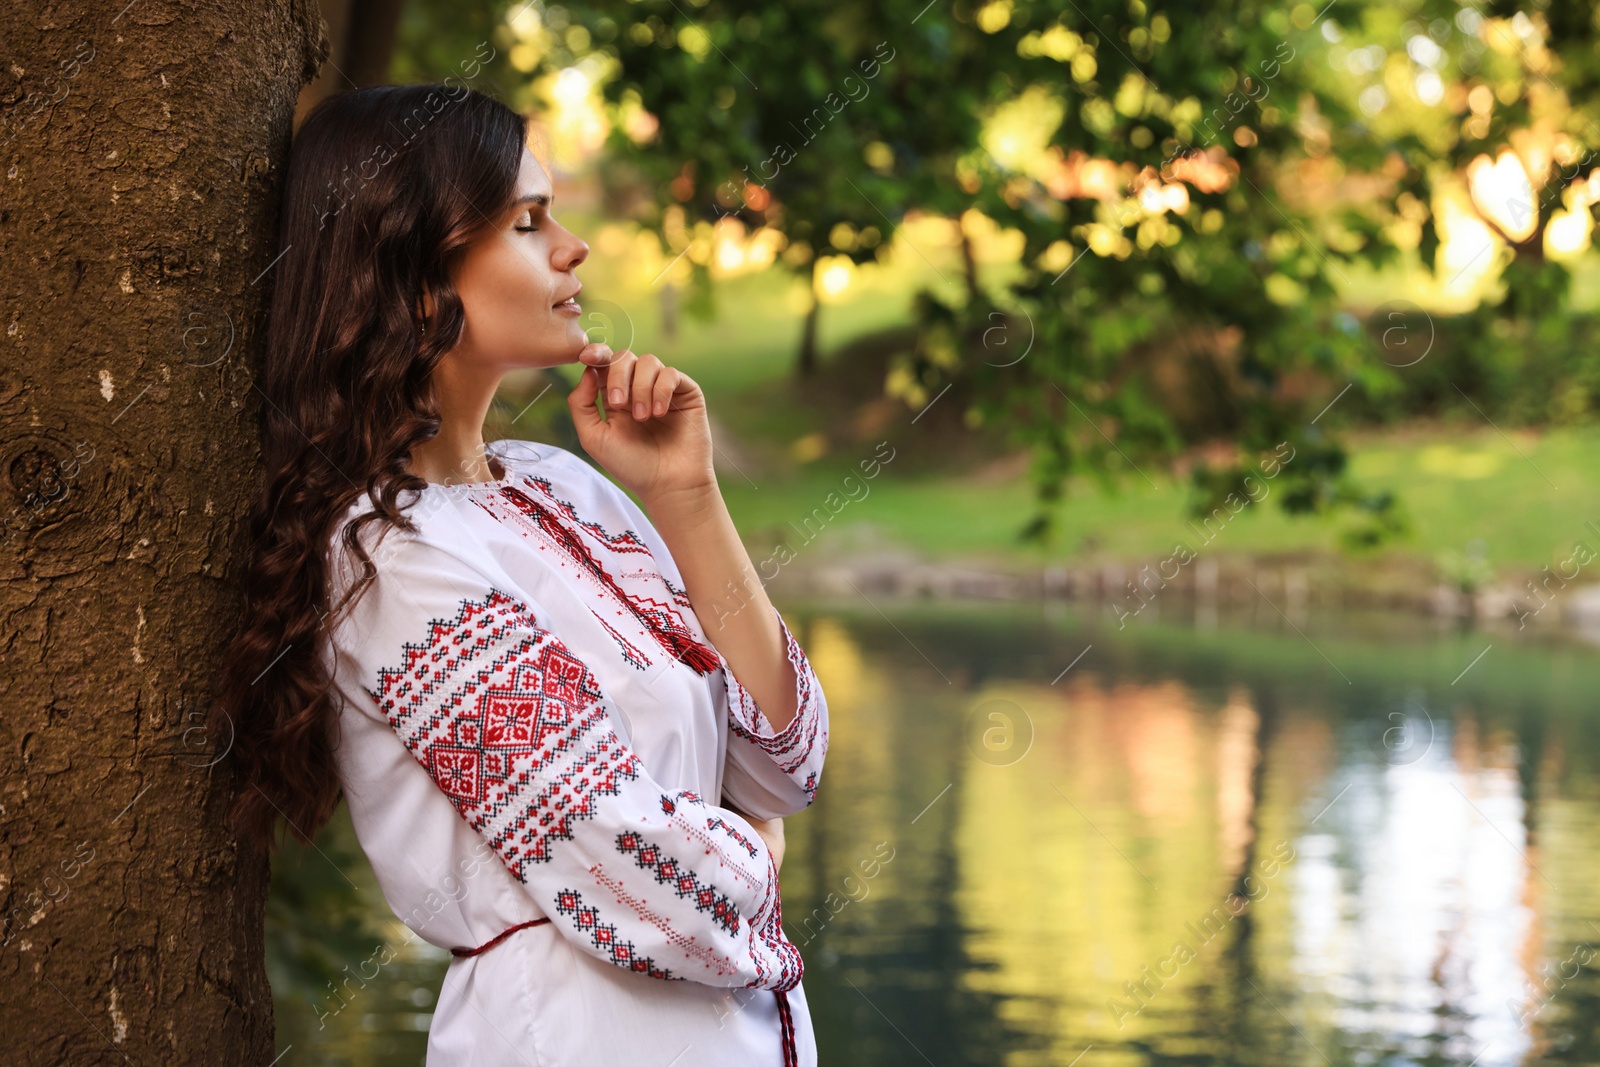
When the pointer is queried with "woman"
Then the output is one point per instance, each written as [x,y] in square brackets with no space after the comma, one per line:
[566,748]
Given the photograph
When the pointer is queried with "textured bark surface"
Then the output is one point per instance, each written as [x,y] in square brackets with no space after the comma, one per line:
[141,154]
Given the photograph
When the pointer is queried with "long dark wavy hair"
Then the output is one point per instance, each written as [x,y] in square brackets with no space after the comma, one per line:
[386,189]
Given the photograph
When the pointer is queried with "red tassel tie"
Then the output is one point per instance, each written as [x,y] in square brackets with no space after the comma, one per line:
[786,1017]
[496,939]
[791,1058]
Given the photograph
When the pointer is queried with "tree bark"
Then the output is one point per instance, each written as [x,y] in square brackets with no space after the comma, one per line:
[143,148]
[331,78]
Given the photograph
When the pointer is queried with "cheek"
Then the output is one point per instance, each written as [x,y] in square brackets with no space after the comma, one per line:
[526,275]
[509,295]
[515,277]
[503,286]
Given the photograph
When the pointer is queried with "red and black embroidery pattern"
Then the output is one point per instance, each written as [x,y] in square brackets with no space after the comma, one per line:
[605,937]
[660,619]
[683,881]
[804,740]
[491,705]
[630,654]
[717,822]
[516,732]
[626,543]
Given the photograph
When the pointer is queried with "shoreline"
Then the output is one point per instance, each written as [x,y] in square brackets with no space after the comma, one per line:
[1292,583]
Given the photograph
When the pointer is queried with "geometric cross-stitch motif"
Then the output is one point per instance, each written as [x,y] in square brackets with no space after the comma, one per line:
[515,731]
[669,805]
[804,741]
[660,619]
[716,822]
[631,655]
[492,705]
[604,936]
[682,880]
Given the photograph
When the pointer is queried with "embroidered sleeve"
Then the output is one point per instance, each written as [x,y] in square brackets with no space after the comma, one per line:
[767,773]
[771,772]
[516,732]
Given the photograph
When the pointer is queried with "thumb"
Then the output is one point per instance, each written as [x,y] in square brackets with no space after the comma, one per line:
[581,401]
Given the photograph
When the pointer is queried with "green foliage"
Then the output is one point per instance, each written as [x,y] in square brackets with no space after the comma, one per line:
[1467,571]
[1484,368]
[1161,333]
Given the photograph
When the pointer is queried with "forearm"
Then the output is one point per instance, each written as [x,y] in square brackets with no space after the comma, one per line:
[727,595]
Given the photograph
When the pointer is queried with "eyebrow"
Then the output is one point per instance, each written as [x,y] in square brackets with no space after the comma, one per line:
[542,199]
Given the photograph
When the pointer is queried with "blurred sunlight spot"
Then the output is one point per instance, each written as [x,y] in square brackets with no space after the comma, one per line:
[1284,290]
[1451,462]
[638,123]
[834,275]
[1056,258]
[1430,88]
[1057,43]
[1467,246]
[994,16]
[1017,133]
[1567,235]
[695,41]
[526,22]
[1503,193]
[571,87]
[811,446]
[577,128]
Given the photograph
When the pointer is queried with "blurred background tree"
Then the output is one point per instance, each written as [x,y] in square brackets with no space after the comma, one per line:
[1201,214]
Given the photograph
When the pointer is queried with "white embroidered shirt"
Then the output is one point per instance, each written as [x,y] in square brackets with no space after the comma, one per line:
[535,726]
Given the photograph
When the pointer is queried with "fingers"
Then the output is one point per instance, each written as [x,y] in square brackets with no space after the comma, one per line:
[647,375]
[581,401]
[666,384]
[642,385]
[619,379]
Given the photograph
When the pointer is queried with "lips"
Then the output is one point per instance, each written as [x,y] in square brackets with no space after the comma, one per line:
[570,302]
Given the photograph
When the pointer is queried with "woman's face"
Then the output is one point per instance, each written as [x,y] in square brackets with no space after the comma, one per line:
[516,284]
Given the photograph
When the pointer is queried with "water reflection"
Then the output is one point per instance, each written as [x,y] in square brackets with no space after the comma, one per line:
[1193,846]
[1412,913]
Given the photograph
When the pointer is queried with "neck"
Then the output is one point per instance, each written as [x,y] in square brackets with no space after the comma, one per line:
[451,459]
[457,454]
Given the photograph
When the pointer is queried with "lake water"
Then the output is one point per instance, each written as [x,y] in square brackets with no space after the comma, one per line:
[1043,840]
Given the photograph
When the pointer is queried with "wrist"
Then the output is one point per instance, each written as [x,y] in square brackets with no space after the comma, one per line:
[683,502]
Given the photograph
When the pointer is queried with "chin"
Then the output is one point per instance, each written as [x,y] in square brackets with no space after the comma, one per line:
[564,351]
[578,339]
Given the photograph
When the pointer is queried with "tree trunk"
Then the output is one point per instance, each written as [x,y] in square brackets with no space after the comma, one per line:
[807,365]
[669,311]
[368,51]
[361,36]
[969,268]
[143,151]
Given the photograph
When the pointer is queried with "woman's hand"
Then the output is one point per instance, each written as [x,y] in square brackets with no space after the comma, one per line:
[655,439]
[771,830]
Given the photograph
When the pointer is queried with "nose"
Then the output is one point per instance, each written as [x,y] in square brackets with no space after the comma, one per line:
[569,252]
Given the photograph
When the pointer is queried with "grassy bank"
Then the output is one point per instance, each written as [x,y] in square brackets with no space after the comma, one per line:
[1525,497]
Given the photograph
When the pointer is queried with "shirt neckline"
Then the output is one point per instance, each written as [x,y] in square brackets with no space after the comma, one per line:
[495,449]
